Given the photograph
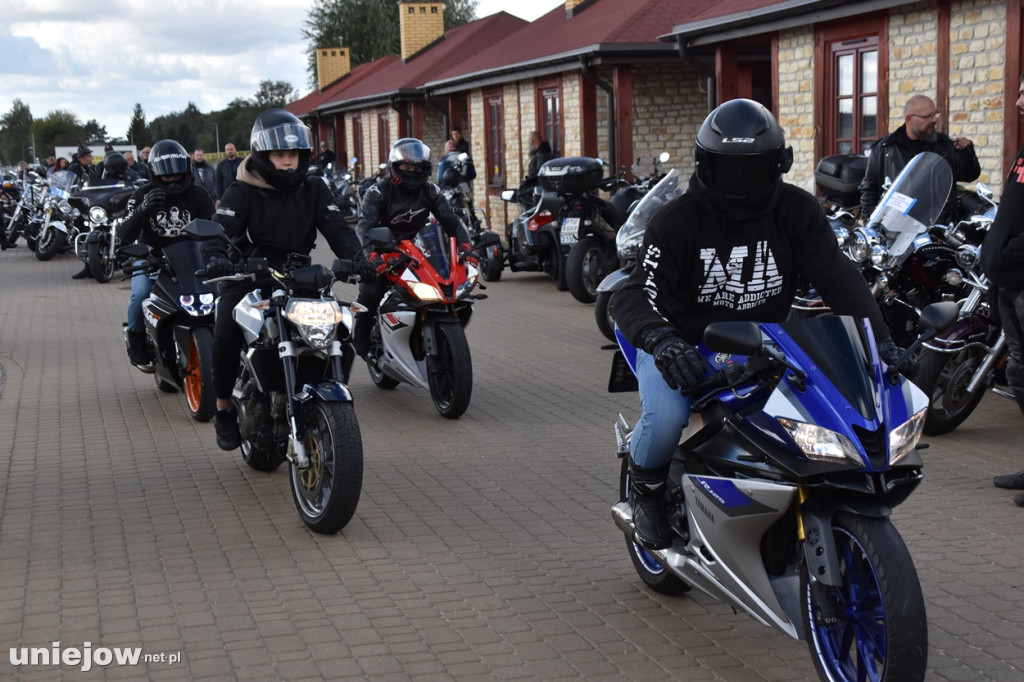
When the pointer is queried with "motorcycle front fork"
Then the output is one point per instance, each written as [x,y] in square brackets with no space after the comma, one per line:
[994,353]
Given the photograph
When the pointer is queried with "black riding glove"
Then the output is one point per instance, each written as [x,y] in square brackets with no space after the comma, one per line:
[889,353]
[154,199]
[372,266]
[219,266]
[680,363]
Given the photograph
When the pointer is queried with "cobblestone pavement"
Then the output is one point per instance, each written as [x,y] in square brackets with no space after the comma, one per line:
[482,548]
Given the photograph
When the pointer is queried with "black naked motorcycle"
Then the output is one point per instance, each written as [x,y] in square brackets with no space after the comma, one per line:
[292,401]
[588,223]
[179,318]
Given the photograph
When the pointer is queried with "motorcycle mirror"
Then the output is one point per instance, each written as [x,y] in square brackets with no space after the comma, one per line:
[343,268]
[984,191]
[739,338]
[664,157]
[134,250]
[354,160]
[486,239]
[380,237]
[203,229]
[939,316]
[508,195]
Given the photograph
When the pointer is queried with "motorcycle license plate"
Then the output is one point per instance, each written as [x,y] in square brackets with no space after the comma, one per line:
[570,230]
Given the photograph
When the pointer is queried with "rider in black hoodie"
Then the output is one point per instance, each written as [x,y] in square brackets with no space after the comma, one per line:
[731,248]
[270,211]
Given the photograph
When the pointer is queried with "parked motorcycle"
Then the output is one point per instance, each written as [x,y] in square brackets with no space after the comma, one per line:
[418,334]
[781,493]
[534,237]
[290,395]
[59,217]
[23,202]
[179,318]
[455,189]
[345,186]
[588,222]
[96,243]
[658,188]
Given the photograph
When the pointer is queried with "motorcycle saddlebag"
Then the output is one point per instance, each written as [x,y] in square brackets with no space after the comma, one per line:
[571,174]
[837,177]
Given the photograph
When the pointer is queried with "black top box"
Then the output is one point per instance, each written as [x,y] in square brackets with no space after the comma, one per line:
[571,174]
[837,176]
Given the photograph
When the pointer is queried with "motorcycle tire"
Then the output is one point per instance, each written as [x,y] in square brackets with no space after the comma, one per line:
[585,268]
[50,243]
[877,623]
[492,262]
[101,267]
[603,314]
[197,377]
[657,577]
[944,378]
[450,371]
[327,492]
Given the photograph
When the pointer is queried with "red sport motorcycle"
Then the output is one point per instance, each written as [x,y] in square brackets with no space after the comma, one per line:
[418,335]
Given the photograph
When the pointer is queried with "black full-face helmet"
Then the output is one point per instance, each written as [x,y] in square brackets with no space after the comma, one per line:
[741,152]
[410,152]
[279,130]
[167,158]
[114,165]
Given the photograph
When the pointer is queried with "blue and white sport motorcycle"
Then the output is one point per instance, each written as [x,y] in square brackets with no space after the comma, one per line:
[800,444]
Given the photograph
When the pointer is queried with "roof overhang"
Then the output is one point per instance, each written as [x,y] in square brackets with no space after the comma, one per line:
[380,99]
[597,54]
[770,18]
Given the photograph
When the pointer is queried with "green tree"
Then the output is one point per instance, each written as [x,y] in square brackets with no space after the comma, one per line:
[137,127]
[94,131]
[57,128]
[368,28]
[16,133]
[274,94]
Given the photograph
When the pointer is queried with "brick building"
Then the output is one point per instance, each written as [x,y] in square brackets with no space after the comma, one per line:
[627,80]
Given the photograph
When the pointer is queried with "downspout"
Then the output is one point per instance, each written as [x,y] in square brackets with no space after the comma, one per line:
[604,85]
[710,86]
[401,115]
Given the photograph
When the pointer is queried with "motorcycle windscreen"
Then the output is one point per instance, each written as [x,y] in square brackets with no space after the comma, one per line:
[668,188]
[914,201]
[836,346]
[61,183]
[185,258]
[432,242]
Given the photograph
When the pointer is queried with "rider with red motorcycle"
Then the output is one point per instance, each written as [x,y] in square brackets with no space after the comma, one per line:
[403,201]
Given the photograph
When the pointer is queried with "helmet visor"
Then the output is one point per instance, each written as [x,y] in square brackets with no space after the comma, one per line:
[283,136]
[738,174]
[171,163]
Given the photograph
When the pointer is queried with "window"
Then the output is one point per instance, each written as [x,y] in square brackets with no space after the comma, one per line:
[494,123]
[852,97]
[549,99]
[383,136]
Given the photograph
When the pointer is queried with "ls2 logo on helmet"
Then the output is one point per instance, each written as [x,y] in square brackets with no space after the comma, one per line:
[738,140]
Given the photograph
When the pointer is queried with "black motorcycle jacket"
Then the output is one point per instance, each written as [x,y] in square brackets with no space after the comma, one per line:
[266,222]
[698,266]
[893,152]
[1002,252]
[386,205]
[163,225]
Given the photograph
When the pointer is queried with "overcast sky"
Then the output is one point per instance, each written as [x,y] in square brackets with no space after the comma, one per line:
[97,59]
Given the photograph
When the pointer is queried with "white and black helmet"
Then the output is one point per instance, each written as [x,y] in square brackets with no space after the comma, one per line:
[168,158]
[410,152]
[280,130]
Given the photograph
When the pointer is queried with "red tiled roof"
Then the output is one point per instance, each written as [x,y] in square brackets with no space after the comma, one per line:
[305,105]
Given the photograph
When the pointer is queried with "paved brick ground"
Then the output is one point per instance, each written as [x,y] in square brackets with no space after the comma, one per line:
[482,548]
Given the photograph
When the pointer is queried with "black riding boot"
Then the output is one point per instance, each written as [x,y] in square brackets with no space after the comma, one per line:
[139,352]
[647,499]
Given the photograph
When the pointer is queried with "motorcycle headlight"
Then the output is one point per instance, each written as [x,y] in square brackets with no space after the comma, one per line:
[97,214]
[879,255]
[197,305]
[903,439]
[968,256]
[427,293]
[953,277]
[821,444]
[628,240]
[860,246]
[471,277]
[315,319]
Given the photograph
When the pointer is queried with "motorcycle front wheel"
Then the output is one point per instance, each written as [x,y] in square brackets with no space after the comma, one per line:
[585,268]
[51,241]
[944,378]
[326,493]
[450,371]
[197,377]
[873,625]
[101,267]
[647,566]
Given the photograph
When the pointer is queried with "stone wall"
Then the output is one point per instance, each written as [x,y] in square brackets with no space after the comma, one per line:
[796,102]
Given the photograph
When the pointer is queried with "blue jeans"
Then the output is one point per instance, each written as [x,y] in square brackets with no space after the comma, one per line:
[664,413]
[141,286]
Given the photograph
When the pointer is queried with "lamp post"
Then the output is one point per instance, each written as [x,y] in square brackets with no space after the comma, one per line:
[216,132]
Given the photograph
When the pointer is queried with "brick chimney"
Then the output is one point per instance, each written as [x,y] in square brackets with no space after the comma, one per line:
[574,7]
[331,64]
[421,23]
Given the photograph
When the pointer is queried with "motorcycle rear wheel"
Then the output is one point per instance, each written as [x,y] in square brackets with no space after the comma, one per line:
[492,261]
[450,372]
[657,577]
[585,268]
[881,631]
[327,492]
[197,378]
[944,378]
[101,267]
[50,243]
